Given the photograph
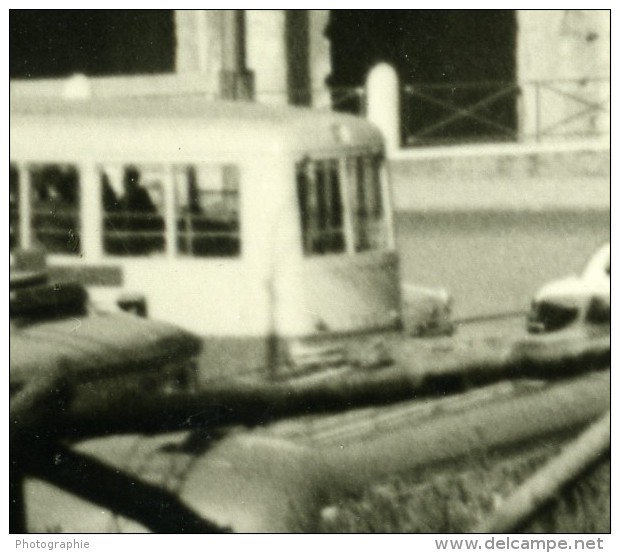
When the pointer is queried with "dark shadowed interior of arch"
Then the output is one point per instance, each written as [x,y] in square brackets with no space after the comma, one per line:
[424,45]
[58,43]
[456,57]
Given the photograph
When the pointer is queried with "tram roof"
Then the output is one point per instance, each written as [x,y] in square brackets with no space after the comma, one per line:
[248,124]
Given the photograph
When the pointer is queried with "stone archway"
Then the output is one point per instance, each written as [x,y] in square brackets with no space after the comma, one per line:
[438,47]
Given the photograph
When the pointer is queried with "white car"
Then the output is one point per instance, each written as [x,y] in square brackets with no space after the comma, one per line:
[575,300]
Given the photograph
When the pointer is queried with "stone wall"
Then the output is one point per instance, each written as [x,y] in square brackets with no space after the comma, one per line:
[563,67]
[575,176]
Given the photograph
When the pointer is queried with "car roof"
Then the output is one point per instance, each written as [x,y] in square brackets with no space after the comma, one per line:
[599,264]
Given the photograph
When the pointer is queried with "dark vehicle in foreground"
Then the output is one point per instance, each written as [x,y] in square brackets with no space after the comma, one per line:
[54,327]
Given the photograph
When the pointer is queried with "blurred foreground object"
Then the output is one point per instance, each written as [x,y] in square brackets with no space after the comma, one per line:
[539,489]
[427,311]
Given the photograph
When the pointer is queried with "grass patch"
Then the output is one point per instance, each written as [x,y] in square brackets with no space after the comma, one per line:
[455,501]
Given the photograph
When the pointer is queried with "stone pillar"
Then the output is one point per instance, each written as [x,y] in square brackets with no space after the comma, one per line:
[383,106]
[289,54]
[266,54]
[212,43]
[236,81]
[562,56]
[320,58]
[199,45]
[285,51]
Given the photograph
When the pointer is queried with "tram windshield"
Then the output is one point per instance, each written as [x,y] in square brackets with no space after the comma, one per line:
[322,202]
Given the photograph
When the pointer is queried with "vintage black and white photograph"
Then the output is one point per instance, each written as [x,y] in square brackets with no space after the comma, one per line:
[311,271]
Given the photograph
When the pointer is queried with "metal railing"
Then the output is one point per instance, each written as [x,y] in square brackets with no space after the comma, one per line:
[585,103]
[474,112]
[459,112]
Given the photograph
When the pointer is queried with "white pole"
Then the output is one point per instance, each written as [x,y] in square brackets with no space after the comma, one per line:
[383,103]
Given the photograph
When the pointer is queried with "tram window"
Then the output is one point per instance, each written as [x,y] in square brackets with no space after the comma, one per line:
[14,234]
[369,227]
[320,205]
[133,207]
[56,208]
[207,210]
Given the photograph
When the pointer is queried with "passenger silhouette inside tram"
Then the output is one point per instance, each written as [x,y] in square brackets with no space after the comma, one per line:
[133,225]
[136,198]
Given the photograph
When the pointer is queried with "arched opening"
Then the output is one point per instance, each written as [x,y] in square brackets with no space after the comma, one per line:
[57,43]
[451,60]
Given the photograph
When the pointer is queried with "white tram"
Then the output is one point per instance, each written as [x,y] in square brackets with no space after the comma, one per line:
[237,221]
